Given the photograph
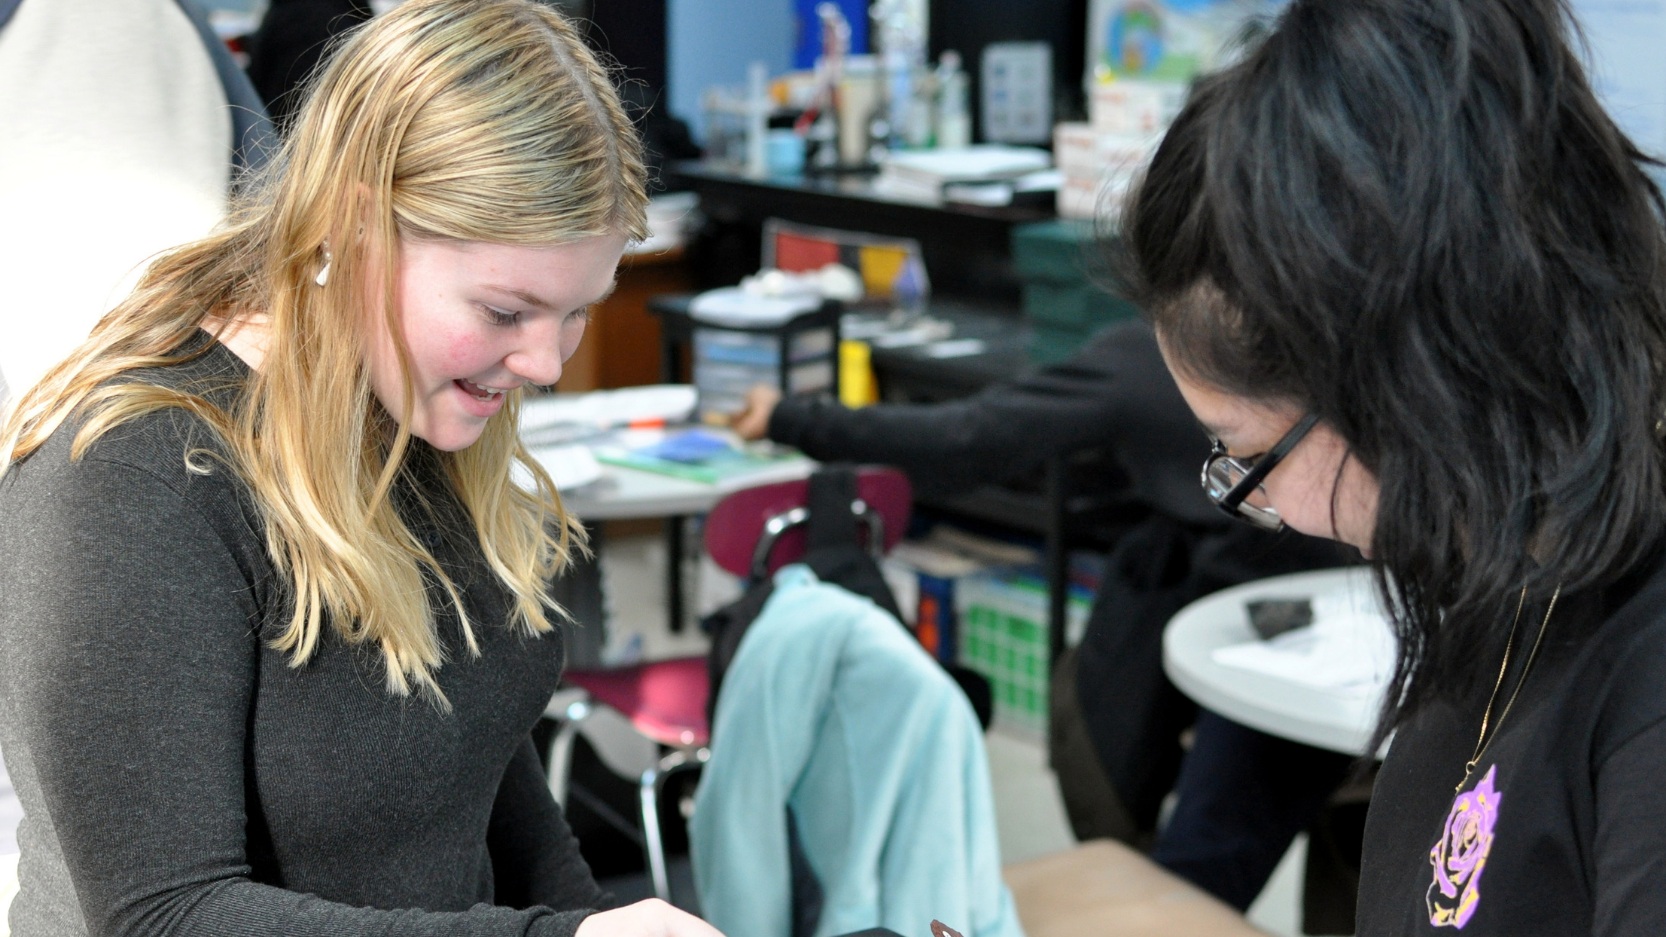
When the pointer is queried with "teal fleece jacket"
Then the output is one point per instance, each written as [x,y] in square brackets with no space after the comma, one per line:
[834,711]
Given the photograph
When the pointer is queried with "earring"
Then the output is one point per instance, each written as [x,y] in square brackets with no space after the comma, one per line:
[323,276]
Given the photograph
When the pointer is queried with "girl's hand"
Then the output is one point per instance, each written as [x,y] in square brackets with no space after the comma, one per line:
[753,422]
[650,918]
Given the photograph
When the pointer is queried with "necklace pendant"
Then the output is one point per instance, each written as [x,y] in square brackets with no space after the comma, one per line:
[1461,854]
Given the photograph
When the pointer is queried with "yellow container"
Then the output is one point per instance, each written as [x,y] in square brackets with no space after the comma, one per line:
[857,387]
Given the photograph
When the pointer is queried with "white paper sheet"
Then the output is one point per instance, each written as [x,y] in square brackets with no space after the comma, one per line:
[1348,650]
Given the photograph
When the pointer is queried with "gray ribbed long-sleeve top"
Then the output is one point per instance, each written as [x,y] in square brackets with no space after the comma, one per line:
[178,776]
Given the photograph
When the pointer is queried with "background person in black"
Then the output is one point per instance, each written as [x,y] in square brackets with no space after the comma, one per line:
[1116,719]
[294,36]
[1413,221]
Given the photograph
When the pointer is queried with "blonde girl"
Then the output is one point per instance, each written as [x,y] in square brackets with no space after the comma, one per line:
[274,619]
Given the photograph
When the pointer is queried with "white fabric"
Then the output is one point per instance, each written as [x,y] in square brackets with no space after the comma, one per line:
[116,144]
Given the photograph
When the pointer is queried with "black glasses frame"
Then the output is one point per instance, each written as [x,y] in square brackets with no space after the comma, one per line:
[1233,501]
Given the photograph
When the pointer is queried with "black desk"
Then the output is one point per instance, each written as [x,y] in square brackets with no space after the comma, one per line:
[910,373]
[968,248]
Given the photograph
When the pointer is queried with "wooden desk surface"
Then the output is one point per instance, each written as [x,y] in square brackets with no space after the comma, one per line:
[1104,889]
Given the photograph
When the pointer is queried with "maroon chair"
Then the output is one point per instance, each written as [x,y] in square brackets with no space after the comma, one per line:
[750,533]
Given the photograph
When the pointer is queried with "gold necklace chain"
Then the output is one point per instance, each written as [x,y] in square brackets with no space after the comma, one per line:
[1483,740]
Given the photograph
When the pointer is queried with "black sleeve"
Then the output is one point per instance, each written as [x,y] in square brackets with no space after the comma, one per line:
[1005,430]
[127,679]
[535,858]
[1631,838]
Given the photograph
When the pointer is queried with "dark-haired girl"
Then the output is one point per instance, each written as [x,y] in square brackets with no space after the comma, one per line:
[1409,276]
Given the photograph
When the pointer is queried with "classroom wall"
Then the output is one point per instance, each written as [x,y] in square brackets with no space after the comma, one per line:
[1628,65]
[711,42]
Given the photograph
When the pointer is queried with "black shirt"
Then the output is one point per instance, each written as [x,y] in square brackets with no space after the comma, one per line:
[1562,825]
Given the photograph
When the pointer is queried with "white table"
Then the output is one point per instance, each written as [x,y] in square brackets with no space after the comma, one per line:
[1309,714]
[623,493]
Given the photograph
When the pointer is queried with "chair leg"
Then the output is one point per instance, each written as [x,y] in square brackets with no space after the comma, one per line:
[560,759]
[648,791]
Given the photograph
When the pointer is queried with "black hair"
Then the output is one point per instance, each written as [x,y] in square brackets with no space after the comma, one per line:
[1414,219]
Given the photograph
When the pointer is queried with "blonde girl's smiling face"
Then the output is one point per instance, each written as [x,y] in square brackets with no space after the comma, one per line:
[479,320]
[1318,488]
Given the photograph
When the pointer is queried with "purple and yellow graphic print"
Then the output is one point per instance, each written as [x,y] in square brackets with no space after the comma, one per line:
[1461,855]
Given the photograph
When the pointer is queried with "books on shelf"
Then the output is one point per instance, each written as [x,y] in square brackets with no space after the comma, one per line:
[701,454]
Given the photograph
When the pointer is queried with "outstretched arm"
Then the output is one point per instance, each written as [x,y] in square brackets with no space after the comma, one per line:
[1095,398]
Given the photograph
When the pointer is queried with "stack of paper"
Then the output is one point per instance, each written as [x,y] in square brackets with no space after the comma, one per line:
[921,175]
[569,467]
[734,305]
[702,455]
[553,419]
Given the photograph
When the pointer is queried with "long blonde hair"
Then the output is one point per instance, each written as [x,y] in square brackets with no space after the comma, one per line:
[468,120]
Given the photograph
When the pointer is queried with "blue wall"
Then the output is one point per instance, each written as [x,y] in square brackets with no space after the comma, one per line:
[711,42]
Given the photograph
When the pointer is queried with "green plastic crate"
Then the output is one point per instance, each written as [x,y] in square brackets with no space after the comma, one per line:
[1079,306]
[1049,345]
[1003,635]
[1062,251]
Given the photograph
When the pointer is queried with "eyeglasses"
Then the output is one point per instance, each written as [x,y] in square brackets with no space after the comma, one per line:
[1229,481]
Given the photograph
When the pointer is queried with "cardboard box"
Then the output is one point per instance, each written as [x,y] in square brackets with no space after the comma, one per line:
[1079,199]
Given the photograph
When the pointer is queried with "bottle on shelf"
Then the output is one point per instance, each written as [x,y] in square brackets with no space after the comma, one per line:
[902,56]
[954,116]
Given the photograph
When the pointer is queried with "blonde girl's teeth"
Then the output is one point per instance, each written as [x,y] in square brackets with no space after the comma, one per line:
[480,389]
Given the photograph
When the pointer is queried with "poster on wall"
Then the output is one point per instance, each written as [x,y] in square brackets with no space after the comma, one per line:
[1166,40]
[1173,40]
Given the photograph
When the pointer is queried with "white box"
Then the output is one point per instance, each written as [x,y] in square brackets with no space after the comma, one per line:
[1135,106]
[1078,198]
[1081,150]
